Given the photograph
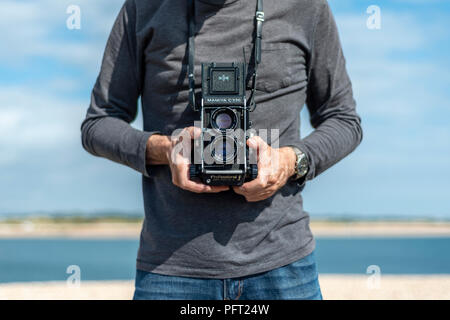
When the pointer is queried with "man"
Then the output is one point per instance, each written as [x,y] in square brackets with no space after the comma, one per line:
[217,242]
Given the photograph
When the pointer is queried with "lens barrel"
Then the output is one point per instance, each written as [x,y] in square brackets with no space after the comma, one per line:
[224,119]
[224,149]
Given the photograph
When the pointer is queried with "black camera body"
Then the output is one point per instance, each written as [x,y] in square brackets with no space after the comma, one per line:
[221,155]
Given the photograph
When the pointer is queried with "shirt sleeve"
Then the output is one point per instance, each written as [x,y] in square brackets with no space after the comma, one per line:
[106,131]
[329,100]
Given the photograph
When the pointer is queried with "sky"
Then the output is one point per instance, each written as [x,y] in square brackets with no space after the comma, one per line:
[401,80]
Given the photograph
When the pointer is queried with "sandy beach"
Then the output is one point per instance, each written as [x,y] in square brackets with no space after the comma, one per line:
[105,229]
[334,287]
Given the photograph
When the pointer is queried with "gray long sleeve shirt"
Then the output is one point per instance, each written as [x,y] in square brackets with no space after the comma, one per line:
[221,235]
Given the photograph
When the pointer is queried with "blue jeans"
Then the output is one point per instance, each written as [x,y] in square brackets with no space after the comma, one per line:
[295,281]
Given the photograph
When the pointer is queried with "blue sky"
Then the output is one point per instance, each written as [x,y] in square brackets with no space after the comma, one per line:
[401,78]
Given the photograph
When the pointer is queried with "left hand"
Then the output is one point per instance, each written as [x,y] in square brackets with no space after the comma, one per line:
[275,167]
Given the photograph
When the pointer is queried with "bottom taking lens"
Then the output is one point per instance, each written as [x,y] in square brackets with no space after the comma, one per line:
[224,149]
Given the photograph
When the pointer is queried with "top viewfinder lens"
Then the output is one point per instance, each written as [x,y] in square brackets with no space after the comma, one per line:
[224,119]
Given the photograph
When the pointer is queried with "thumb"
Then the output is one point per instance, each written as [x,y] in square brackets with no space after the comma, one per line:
[257,143]
[194,132]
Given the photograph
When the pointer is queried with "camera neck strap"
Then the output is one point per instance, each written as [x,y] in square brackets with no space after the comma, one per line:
[259,19]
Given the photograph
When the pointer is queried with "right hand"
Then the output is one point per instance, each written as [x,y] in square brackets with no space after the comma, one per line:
[179,163]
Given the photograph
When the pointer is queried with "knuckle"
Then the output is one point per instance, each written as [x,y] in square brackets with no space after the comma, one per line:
[260,140]
[262,183]
[272,180]
[241,190]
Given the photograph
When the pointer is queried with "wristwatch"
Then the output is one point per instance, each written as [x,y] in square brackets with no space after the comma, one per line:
[302,164]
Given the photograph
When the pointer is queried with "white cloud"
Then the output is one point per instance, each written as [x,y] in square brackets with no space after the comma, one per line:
[388,80]
[31,120]
[40,31]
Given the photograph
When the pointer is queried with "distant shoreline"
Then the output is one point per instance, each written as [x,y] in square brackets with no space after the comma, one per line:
[115,228]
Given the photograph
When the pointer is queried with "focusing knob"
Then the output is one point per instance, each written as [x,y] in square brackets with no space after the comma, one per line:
[253,171]
[193,171]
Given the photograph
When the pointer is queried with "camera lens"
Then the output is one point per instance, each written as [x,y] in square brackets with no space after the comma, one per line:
[224,119]
[224,149]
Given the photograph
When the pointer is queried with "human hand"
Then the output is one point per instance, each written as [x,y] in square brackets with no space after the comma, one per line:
[275,167]
[175,151]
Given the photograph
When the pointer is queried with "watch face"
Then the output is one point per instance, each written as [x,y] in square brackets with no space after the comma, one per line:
[303,165]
